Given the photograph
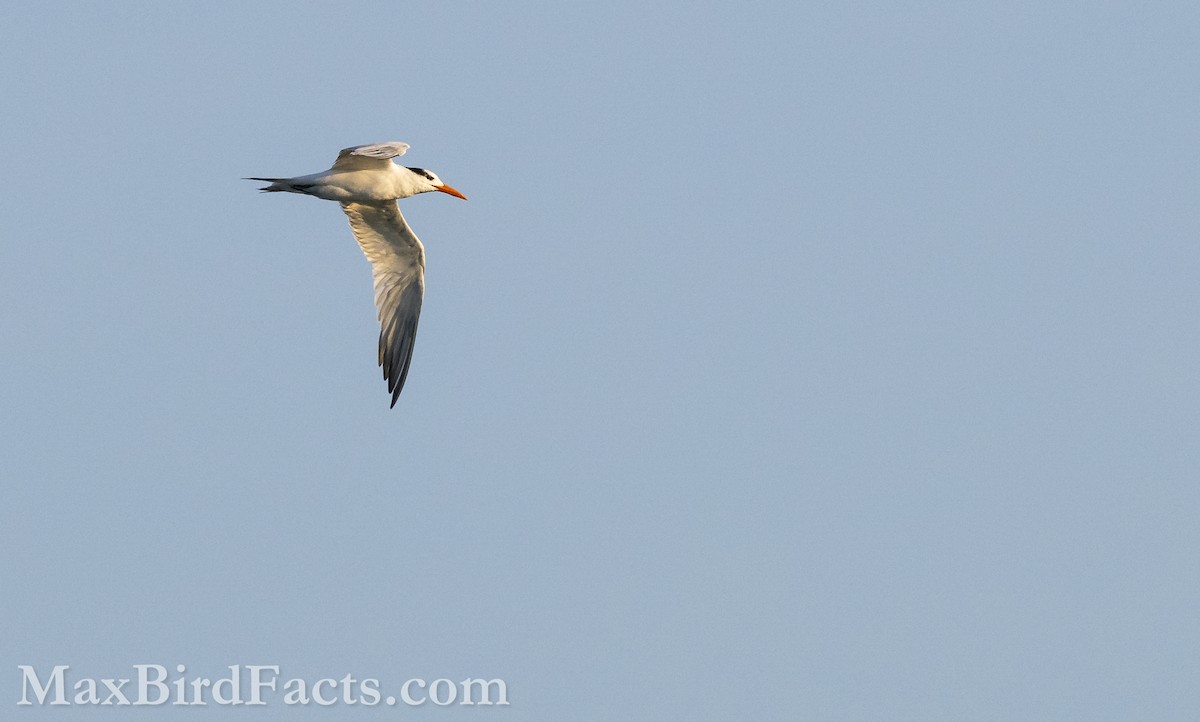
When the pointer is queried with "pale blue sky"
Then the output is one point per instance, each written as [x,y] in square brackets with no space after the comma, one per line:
[830,361]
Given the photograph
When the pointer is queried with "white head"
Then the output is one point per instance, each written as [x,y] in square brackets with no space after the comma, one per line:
[425,181]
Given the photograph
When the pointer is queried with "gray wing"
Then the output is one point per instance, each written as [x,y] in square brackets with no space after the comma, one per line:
[398,262]
[366,157]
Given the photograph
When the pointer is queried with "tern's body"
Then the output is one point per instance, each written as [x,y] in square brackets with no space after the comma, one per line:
[367,184]
[388,183]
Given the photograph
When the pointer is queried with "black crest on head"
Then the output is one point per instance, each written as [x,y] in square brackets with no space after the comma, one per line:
[421,171]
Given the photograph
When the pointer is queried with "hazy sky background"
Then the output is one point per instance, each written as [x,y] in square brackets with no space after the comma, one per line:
[789,361]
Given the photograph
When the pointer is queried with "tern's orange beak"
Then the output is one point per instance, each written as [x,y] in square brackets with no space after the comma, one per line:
[451,191]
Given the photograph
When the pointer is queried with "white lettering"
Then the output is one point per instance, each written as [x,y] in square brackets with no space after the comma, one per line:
[318,697]
[29,679]
[404,695]
[180,686]
[156,685]
[234,682]
[198,685]
[144,683]
[369,691]
[348,690]
[85,692]
[256,682]
[484,687]
[114,691]
[298,694]
[450,690]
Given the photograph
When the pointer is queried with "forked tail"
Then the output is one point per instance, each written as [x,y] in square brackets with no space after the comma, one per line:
[277,185]
[285,185]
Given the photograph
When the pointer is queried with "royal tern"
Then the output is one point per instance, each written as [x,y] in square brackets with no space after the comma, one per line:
[367,184]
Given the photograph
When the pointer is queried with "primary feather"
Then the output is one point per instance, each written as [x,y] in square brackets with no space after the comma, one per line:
[368,156]
[398,265]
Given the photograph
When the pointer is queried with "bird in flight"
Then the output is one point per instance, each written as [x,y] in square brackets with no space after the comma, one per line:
[367,184]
